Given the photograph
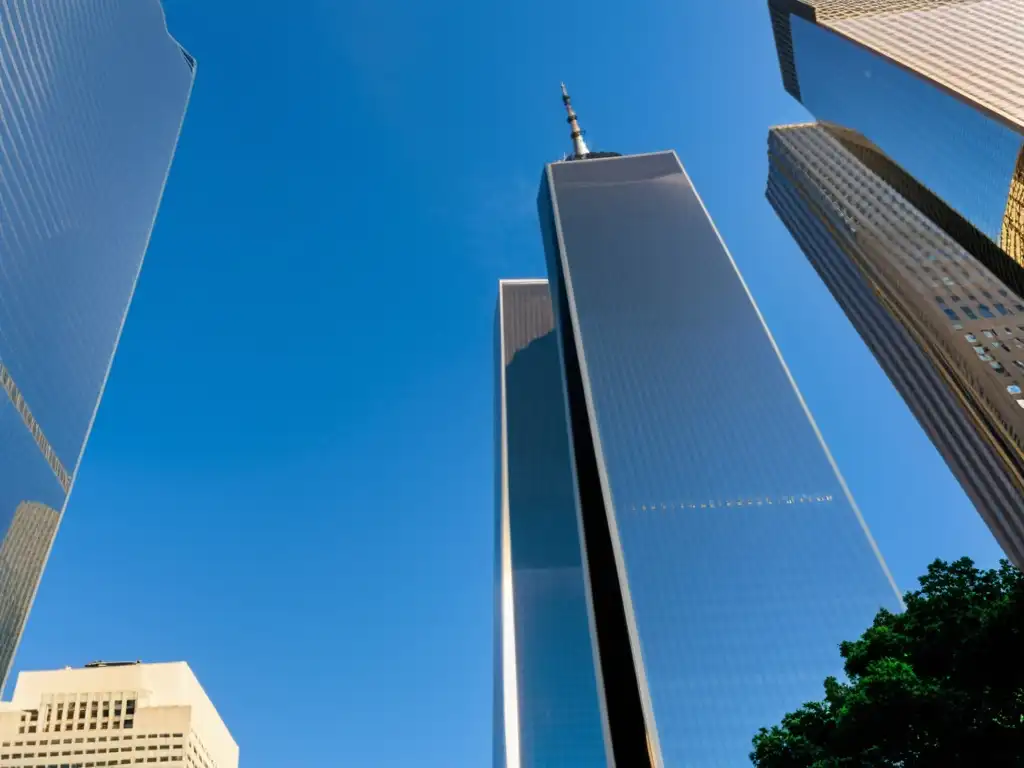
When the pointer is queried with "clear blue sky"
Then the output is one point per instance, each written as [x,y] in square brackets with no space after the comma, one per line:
[290,484]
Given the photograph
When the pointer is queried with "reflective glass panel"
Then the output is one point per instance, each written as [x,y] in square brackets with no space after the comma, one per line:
[92,97]
[745,561]
[558,712]
[961,154]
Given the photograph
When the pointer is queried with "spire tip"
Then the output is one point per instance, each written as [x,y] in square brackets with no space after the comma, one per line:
[579,146]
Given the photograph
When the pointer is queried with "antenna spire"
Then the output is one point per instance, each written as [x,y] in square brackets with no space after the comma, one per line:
[579,146]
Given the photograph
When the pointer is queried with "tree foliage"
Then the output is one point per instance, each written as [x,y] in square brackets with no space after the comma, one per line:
[940,684]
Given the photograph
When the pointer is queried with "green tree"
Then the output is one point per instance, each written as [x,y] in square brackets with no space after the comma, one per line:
[940,684]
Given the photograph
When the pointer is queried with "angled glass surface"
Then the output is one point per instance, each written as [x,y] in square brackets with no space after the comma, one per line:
[559,718]
[92,97]
[745,562]
[964,156]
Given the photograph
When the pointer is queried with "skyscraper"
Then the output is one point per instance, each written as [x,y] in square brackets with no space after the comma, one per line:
[92,97]
[946,330]
[723,555]
[113,714]
[547,706]
[937,85]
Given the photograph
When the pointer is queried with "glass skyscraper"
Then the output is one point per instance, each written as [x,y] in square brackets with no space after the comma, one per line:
[948,332]
[937,85]
[547,705]
[723,557]
[92,97]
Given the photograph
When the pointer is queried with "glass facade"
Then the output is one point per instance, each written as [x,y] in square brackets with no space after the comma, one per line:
[966,157]
[92,97]
[740,559]
[546,684]
[937,86]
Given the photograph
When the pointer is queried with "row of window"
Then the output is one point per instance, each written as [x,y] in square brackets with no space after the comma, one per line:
[93,739]
[79,726]
[96,751]
[92,704]
[102,763]
[983,310]
[83,708]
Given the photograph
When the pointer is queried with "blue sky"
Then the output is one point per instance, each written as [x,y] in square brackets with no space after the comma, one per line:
[289,484]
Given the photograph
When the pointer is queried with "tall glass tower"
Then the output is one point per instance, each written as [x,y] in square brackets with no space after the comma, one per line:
[723,556]
[92,97]
[937,85]
[547,704]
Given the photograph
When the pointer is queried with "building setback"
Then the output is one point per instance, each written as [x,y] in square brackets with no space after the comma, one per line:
[92,97]
[947,331]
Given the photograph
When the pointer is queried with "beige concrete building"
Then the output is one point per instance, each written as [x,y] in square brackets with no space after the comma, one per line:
[106,715]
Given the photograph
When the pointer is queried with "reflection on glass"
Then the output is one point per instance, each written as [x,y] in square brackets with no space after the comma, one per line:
[743,560]
[964,156]
[1011,238]
[23,554]
[938,86]
[92,97]
[548,700]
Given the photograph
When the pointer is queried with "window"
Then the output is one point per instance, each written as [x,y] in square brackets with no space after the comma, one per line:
[997,366]
[1020,403]
[1001,309]
[985,311]
[1013,389]
[950,314]
[985,358]
[970,337]
[989,333]
[969,312]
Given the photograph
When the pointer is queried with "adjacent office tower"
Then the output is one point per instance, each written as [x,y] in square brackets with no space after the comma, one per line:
[92,96]
[545,684]
[937,85]
[723,557]
[113,714]
[921,104]
[946,330]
